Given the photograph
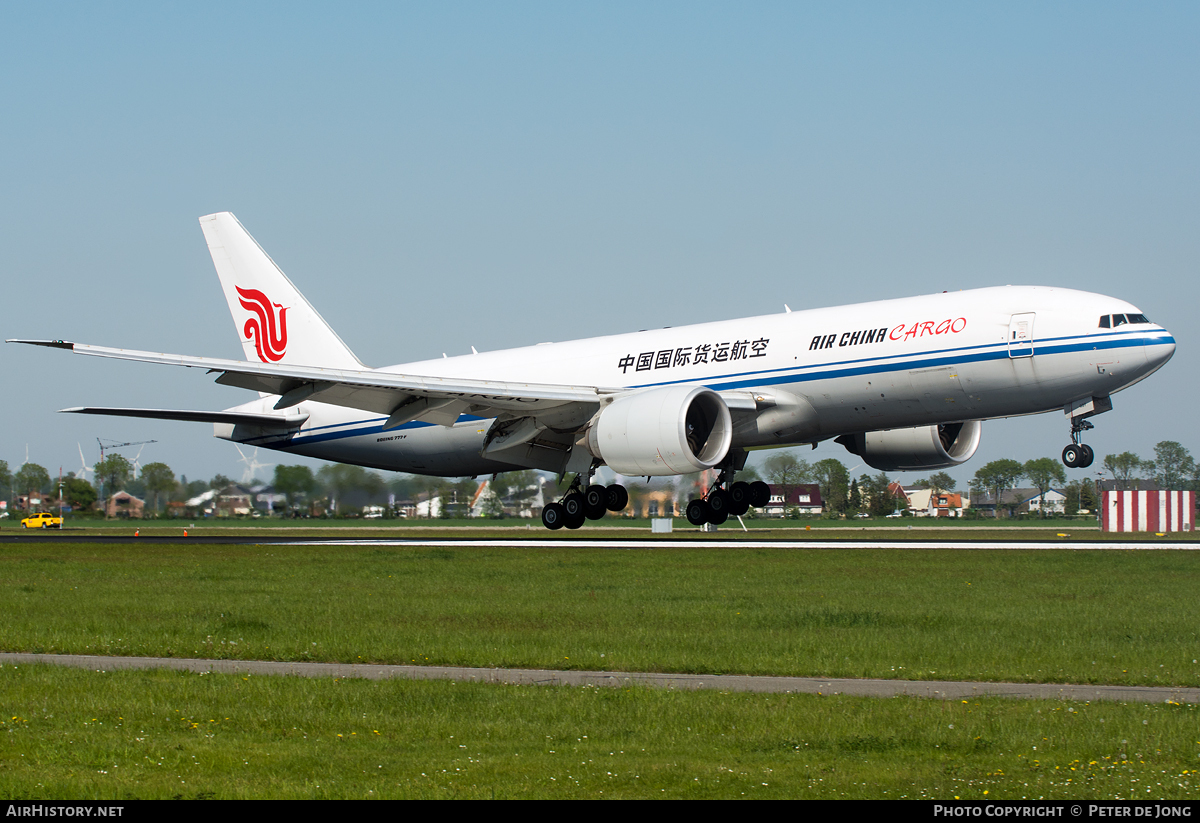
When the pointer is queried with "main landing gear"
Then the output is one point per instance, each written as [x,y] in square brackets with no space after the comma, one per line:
[582,503]
[726,499]
[1077,455]
[590,501]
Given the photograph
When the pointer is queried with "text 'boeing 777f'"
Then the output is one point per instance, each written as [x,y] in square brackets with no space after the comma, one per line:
[902,383]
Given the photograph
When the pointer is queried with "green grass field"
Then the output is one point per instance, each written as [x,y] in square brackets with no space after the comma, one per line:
[1122,617]
[70,733]
[1080,616]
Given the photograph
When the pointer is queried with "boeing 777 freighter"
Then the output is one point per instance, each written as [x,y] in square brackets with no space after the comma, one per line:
[903,384]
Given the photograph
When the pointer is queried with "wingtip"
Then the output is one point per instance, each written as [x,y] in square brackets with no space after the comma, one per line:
[54,344]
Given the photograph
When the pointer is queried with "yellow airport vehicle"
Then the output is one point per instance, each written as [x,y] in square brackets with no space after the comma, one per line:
[42,520]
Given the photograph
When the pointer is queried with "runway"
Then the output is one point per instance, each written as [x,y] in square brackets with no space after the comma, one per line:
[932,689]
[650,543]
[542,539]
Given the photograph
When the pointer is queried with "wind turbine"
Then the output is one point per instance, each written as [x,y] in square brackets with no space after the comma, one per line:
[85,470]
[137,467]
[252,464]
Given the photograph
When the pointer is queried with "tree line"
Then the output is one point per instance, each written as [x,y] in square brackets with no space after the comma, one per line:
[339,486]
[336,487]
[840,494]
[1172,468]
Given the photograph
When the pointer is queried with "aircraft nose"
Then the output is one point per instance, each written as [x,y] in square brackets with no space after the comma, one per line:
[1159,350]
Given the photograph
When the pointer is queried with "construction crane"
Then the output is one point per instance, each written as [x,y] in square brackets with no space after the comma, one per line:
[113,447]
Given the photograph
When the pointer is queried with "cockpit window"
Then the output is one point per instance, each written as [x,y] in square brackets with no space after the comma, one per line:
[1111,321]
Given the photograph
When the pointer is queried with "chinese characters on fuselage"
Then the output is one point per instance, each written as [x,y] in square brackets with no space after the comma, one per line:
[694,355]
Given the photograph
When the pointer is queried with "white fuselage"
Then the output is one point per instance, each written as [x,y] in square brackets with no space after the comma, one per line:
[890,364]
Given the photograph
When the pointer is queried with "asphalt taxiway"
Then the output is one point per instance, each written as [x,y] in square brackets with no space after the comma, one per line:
[934,689]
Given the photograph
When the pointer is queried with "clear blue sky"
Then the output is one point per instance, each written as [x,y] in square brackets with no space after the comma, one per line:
[441,175]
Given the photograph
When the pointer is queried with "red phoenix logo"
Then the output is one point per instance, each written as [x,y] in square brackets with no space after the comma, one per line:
[269,336]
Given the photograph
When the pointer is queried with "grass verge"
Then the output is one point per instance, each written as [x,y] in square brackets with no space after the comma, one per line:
[68,733]
[1118,617]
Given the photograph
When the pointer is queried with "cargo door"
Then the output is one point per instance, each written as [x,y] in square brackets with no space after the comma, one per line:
[1020,335]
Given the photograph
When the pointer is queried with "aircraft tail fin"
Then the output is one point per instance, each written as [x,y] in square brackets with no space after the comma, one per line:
[274,321]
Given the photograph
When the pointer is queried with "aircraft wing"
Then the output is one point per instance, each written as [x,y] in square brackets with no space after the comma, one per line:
[403,397]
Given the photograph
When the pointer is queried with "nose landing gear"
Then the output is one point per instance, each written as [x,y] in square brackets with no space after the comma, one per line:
[1077,455]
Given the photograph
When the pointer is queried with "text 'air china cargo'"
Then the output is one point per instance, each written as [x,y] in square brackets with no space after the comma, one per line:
[903,384]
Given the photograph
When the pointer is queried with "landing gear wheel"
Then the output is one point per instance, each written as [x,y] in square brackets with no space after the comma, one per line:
[553,516]
[1086,456]
[1072,456]
[718,506]
[1077,455]
[760,494]
[595,500]
[573,505]
[576,521]
[697,512]
[739,498]
[617,497]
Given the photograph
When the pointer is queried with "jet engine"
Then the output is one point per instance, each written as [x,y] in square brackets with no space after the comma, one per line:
[924,447]
[663,431]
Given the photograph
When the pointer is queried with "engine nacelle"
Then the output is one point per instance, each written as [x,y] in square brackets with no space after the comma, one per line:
[924,447]
[669,430]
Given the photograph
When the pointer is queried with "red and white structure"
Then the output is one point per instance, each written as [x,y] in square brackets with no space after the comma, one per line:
[1147,511]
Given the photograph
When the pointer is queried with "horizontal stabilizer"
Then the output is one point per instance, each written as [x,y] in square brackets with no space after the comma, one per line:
[283,421]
